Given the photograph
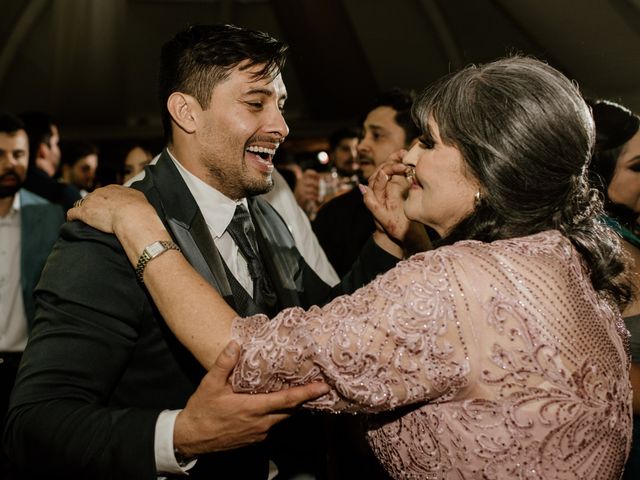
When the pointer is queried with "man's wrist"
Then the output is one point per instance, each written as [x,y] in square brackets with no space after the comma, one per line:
[166,460]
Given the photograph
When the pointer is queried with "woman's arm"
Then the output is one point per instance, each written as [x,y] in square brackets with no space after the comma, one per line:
[349,342]
[192,308]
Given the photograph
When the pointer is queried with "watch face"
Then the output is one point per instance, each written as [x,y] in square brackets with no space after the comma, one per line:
[156,248]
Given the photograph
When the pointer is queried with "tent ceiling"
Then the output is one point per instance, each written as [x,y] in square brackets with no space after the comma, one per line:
[93,62]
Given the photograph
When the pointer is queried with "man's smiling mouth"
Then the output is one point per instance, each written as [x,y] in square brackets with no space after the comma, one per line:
[264,152]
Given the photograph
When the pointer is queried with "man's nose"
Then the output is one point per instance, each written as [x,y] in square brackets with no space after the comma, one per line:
[9,161]
[279,125]
[363,146]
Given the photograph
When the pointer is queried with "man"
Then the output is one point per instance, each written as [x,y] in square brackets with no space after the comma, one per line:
[104,389]
[44,160]
[79,165]
[344,224]
[28,229]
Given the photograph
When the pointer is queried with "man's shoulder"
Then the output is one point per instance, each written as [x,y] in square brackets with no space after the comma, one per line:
[77,231]
[29,198]
[33,204]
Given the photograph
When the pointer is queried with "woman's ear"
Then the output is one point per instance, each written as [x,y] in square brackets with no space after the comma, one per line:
[184,110]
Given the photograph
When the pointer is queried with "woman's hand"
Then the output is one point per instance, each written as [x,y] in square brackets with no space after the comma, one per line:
[111,208]
[126,213]
[384,197]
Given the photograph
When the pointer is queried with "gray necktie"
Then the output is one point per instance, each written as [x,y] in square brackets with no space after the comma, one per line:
[241,230]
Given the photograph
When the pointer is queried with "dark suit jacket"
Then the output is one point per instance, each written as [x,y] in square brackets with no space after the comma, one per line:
[40,224]
[50,188]
[101,363]
[343,226]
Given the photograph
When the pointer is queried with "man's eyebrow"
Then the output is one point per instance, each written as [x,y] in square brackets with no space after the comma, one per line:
[259,91]
[264,91]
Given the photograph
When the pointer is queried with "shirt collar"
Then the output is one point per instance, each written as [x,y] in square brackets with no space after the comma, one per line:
[14,210]
[217,209]
[17,204]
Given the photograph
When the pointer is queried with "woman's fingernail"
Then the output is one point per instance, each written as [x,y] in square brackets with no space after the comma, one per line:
[363,188]
[323,388]
[231,348]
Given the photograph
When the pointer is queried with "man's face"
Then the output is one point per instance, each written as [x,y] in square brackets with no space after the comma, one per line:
[14,159]
[48,158]
[381,137]
[238,133]
[83,173]
[345,156]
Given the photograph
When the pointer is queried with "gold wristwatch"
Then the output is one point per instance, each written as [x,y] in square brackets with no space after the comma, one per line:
[152,251]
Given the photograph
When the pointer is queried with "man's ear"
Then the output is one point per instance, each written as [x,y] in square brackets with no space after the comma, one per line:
[42,160]
[43,150]
[184,110]
[66,168]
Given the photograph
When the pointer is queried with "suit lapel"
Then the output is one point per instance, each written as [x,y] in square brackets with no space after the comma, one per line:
[280,256]
[30,219]
[166,189]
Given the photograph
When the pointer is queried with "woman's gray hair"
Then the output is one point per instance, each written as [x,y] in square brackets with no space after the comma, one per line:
[527,135]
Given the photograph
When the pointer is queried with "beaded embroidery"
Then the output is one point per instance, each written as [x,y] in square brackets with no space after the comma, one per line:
[476,361]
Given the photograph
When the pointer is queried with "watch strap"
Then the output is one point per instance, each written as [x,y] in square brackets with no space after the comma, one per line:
[150,252]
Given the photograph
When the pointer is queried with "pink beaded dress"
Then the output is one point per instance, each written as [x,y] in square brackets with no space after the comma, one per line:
[475,360]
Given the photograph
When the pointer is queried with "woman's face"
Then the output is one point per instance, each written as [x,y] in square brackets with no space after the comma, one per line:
[441,192]
[624,188]
[134,163]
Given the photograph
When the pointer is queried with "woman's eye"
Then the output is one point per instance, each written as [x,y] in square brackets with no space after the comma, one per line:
[635,168]
[426,143]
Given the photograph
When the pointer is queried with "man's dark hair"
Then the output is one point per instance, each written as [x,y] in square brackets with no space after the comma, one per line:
[195,60]
[338,135]
[401,100]
[39,126]
[75,150]
[9,123]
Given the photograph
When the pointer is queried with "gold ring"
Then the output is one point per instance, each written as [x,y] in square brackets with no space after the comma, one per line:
[410,173]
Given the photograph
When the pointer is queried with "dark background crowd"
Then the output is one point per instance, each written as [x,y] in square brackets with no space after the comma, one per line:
[78,77]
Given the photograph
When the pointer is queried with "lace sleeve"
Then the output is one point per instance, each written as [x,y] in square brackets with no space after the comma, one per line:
[393,342]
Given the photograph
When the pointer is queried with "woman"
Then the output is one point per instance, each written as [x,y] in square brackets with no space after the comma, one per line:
[500,354]
[615,171]
[136,158]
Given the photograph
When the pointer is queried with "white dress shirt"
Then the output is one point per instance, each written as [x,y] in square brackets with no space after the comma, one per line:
[13,318]
[217,210]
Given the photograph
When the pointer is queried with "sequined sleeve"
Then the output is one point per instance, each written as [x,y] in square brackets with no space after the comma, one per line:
[394,342]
